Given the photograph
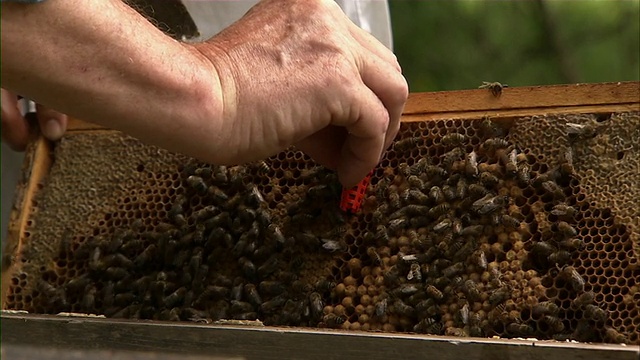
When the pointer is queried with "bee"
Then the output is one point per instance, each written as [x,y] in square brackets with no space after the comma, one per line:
[252,295]
[205,172]
[461,253]
[220,174]
[612,335]
[415,183]
[471,164]
[553,189]
[404,169]
[237,289]
[573,278]
[584,299]
[463,314]
[594,313]
[407,144]
[271,287]
[205,213]
[472,230]
[511,162]
[334,245]
[175,298]
[248,268]
[479,259]
[554,323]
[428,326]
[494,87]
[116,273]
[580,131]
[449,193]
[269,266]
[454,139]
[196,183]
[419,167]
[523,174]
[391,277]
[307,239]
[560,257]
[446,242]
[124,299]
[273,304]
[373,254]
[474,326]
[261,167]
[451,156]
[274,234]
[488,180]
[439,210]
[241,307]
[403,309]
[545,308]
[316,305]
[566,230]
[478,191]
[470,290]
[236,175]
[78,284]
[414,272]
[434,170]
[566,162]
[500,295]
[509,221]
[427,308]
[254,196]
[381,307]
[394,201]
[443,225]
[570,244]
[564,210]
[461,188]
[434,293]
[518,329]
[453,270]
[541,251]
[397,224]
[213,292]
[332,320]
[494,144]
[415,195]
[489,204]
[435,193]
[454,331]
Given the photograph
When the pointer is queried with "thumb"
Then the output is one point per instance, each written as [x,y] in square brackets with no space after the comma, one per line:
[52,123]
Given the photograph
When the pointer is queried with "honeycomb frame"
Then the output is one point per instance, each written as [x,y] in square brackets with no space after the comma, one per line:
[362,256]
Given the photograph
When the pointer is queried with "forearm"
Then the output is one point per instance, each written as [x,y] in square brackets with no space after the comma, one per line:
[102,62]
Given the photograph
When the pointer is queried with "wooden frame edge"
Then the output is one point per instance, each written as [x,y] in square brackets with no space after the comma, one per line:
[278,342]
[36,168]
[512,102]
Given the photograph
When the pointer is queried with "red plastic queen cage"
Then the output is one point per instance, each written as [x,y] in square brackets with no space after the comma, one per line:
[352,199]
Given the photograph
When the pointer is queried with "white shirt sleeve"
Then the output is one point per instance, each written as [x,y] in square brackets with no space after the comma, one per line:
[213,16]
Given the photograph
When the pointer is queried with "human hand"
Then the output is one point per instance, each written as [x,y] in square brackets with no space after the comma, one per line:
[300,72]
[16,129]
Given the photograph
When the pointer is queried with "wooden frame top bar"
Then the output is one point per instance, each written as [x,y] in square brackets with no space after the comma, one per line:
[516,101]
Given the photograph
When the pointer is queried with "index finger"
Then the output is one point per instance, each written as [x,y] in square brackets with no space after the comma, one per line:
[365,141]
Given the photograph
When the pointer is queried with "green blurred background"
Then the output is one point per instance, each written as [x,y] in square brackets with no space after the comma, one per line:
[454,44]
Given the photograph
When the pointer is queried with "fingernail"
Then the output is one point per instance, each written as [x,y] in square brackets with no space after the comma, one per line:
[53,130]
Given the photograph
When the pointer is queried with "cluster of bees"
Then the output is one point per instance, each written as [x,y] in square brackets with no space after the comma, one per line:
[450,244]
[227,259]
[450,249]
